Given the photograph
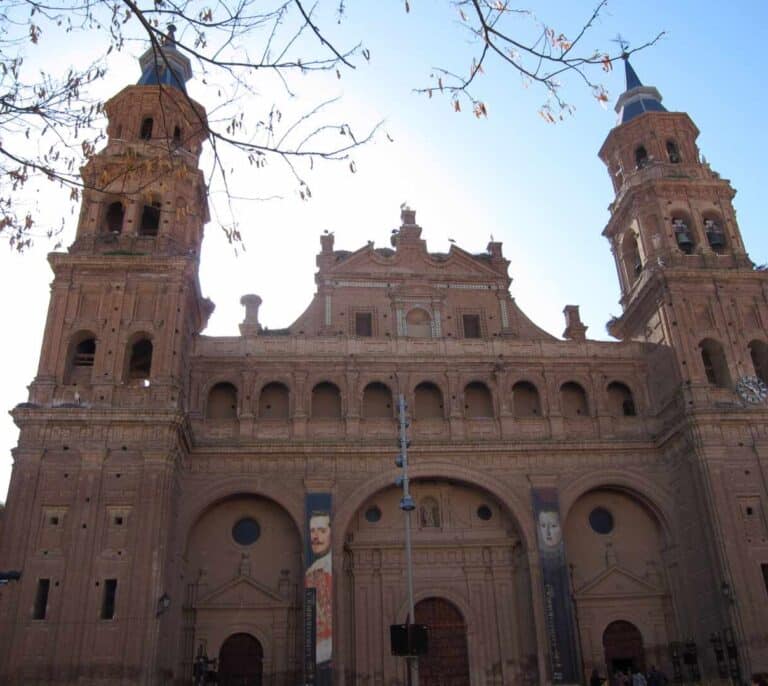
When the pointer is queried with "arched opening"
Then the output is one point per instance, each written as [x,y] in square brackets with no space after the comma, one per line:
[630,254]
[240,661]
[758,351]
[713,228]
[428,401]
[418,323]
[613,534]
[478,402]
[525,400]
[448,660]
[222,402]
[461,531]
[673,152]
[641,157]
[377,401]
[145,132]
[715,364]
[150,219]
[274,401]
[140,360]
[80,359]
[177,135]
[683,234]
[620,401]
[326,401]
[573,400]
[623,646]
[236,547]
[113,217]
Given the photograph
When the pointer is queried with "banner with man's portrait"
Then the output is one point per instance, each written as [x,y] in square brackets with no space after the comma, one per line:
[318,591]
[558,613]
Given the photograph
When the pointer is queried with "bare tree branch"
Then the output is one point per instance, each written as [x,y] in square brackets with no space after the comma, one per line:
[50,124]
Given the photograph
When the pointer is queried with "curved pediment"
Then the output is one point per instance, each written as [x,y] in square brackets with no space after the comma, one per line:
[368,292]
[370,261]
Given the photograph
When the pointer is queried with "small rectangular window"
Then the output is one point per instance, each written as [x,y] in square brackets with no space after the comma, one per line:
[108,599]
[364,324]
[471,324]
[41,599]
[764,568]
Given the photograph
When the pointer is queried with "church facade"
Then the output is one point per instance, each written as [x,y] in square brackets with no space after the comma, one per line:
[183,504]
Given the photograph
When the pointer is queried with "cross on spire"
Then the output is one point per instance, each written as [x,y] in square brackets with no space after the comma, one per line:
[623,44]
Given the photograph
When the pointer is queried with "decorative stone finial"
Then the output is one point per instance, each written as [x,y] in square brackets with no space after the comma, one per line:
[250,325]
[326,242]
[410,231]
[407,215]
[494,249]
[170,37]
[574,328]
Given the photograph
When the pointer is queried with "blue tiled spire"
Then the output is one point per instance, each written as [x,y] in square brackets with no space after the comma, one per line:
[637,98]
[633,80]
[165,66]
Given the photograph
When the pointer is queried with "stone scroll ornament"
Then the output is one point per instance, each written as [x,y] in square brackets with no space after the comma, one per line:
[558,613]
[318,591]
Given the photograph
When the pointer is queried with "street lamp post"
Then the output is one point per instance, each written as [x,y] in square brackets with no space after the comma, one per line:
[407,506]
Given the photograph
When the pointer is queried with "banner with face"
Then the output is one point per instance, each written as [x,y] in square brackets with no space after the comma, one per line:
[318,591]
[558,612]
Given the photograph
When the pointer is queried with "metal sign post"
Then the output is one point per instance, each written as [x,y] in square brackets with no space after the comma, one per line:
[407,506]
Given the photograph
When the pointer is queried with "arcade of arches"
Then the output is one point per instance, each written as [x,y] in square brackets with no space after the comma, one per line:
[473,587]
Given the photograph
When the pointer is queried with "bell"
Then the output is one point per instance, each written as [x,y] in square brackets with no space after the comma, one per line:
[684,241]
[716,239]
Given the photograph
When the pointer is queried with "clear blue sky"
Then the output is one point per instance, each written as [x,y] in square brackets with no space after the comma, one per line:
[538,188]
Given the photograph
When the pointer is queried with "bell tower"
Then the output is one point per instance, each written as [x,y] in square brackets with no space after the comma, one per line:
[144,193]
[126,298]
[103,438]
[686,279]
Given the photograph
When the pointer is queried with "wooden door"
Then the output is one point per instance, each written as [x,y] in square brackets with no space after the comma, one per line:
[447,663]
[623,645]
[240,661]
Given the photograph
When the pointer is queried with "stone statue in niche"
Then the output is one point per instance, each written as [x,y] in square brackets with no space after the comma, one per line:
[244,568]
[429,514]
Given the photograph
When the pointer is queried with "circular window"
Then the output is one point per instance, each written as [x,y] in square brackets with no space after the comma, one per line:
[373,514]
[484,512]
[246,531]
[601,520]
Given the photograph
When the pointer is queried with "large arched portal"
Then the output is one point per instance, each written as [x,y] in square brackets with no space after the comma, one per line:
[616,544]
[623,646]
[471,584]
[240,661]
[243,575]
[447,663]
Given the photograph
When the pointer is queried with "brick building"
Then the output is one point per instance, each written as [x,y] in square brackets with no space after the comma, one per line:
[578,504]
